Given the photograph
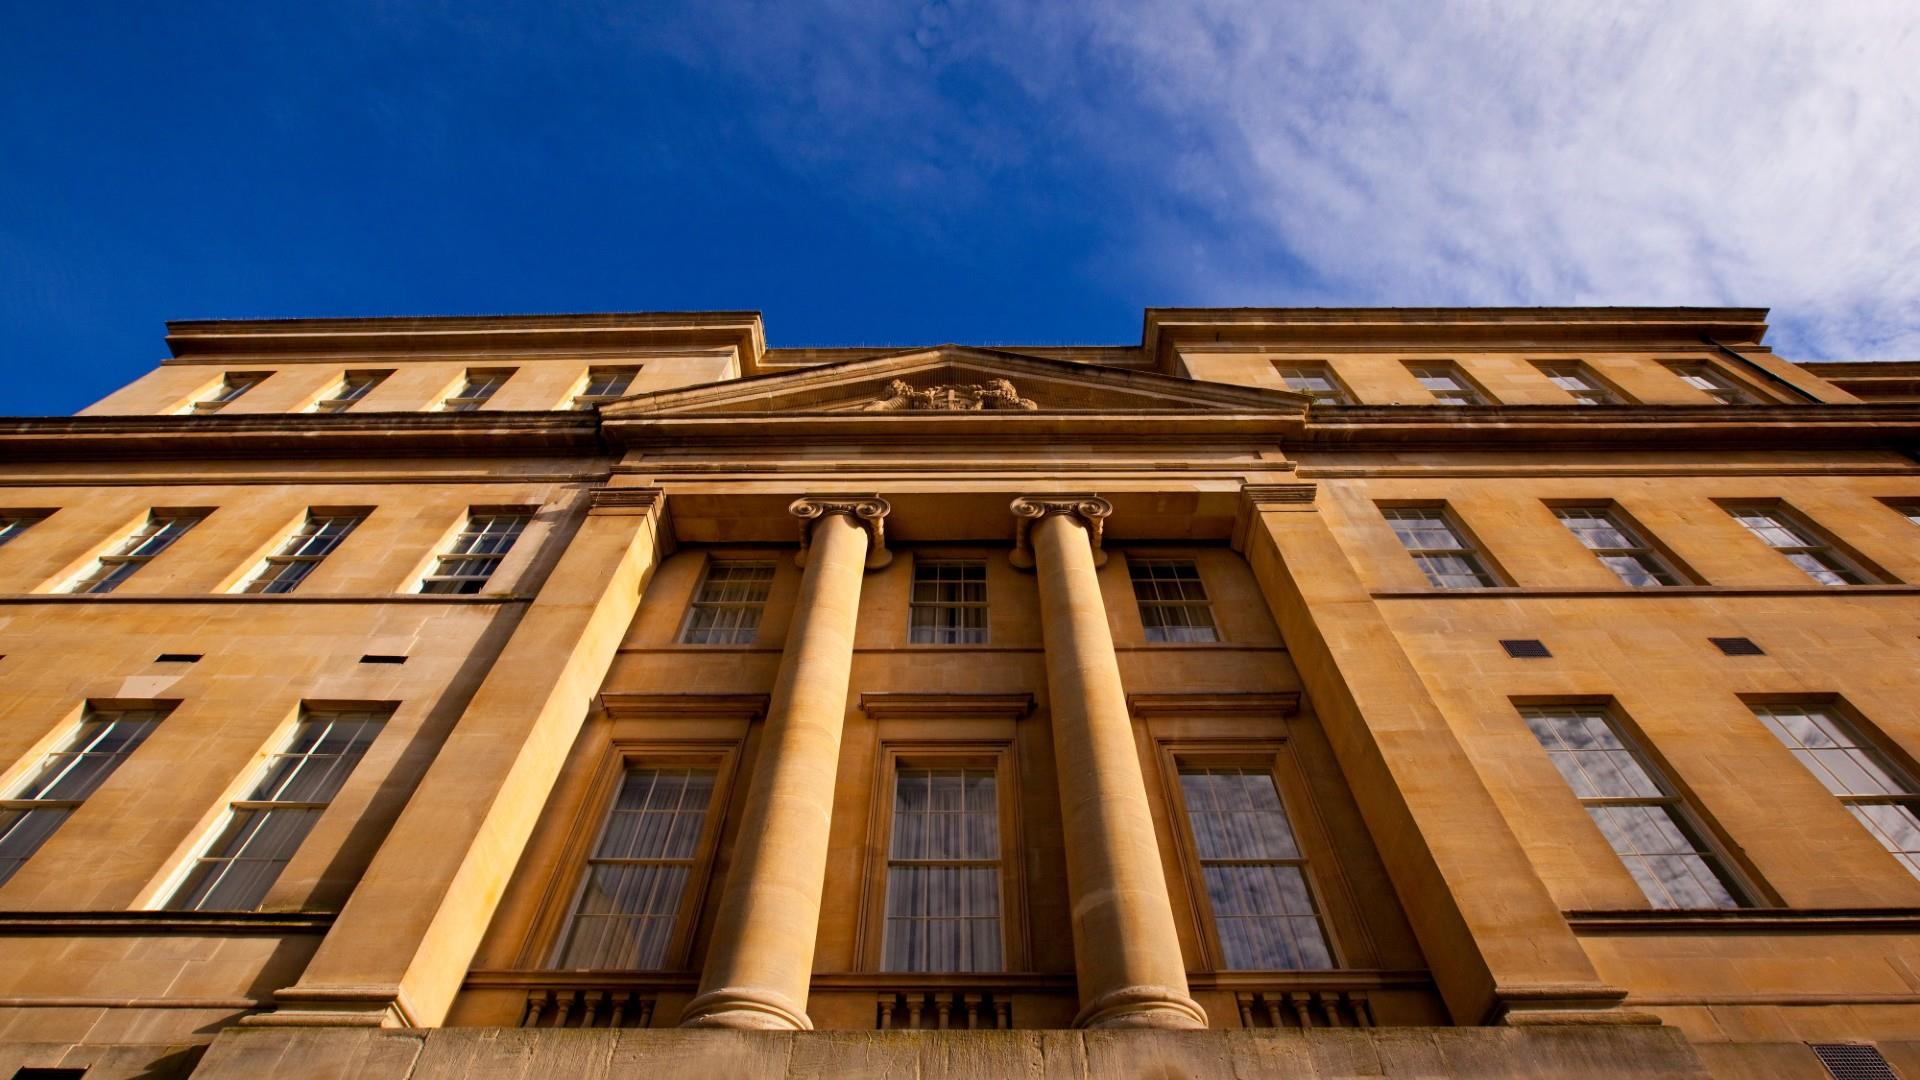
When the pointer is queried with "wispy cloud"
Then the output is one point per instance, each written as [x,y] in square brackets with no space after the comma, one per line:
[1762,152]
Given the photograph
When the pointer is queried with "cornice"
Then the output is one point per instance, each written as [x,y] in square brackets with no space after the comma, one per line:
[472,434]
[1573,427]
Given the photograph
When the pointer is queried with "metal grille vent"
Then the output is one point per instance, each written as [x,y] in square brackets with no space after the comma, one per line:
[1737,646]
[1854,1061]
[1525,649]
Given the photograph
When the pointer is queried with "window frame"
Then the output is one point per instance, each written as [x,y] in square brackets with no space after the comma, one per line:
[340,401]
[464,401]
[233,386]
[445,552]
[18,520]
[1607,393]
[1885,754]
[1206,603]
[67,743]
[1844,559]
[1489,568]
[127,552]
[1327,887]
[984,605]
[694,603]
[587,399]
[1624,523]
[1683,810]
[1726,382]
[997,754]
[243,799]
[1340,394]
[547,934]
[1458,373]
[1907,506]
[266,575]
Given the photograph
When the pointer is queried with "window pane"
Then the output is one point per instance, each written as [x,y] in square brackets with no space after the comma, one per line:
[257,840]
[636,879]
[22,832]
[943,902]
[1800,545]
[948,603]
[1254,873]
[1633,808]
[69,775]
[726,607]
[1172,599]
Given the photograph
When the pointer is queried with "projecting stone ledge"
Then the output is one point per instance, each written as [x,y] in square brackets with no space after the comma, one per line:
[1645,1053]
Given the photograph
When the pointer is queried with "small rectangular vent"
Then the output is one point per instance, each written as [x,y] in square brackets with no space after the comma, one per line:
[382,658]
[1737,646]
[1525,648]
[1854,1061]
[31,1073]
[178,658]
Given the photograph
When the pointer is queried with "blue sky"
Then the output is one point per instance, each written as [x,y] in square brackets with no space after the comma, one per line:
[973,170]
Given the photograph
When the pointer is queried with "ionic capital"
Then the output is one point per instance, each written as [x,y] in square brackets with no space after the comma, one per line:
[1091,511]
[867,511]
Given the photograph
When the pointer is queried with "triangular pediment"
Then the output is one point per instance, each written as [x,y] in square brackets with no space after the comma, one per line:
[954,380]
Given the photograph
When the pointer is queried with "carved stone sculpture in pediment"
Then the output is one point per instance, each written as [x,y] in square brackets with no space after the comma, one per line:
[901,395]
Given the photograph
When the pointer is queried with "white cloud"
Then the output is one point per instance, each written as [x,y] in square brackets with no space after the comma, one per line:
[1259,152]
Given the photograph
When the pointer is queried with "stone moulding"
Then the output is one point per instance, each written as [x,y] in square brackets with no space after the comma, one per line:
[1256,499]
[640,706]
[867,511]
[371,1006]
[216,923]
[624,501]
[1746,920]
[1155,706]
[892,705]
[1090,511]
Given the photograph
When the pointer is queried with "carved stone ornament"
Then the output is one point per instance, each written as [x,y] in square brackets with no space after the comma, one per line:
[1090,510]
[867,511]
[901,396]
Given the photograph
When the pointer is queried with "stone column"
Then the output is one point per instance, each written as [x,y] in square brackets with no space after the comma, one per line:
[1126,950]
[761,962]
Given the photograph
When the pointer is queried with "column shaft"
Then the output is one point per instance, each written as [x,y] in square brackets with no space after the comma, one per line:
[761,963]
[1126,949]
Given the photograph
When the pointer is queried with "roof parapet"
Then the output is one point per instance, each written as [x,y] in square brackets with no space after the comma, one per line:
[478,335]
[1166,328]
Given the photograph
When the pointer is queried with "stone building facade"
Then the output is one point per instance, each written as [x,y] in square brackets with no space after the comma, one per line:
[1300,692]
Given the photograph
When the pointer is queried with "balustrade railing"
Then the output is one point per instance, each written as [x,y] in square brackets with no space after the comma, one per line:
[554,1008]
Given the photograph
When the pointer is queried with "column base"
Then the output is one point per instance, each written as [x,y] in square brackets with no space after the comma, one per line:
[745,1009]
[1159,1007]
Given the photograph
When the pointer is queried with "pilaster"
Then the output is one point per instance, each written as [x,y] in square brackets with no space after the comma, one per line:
[400,948]
[1498,946]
